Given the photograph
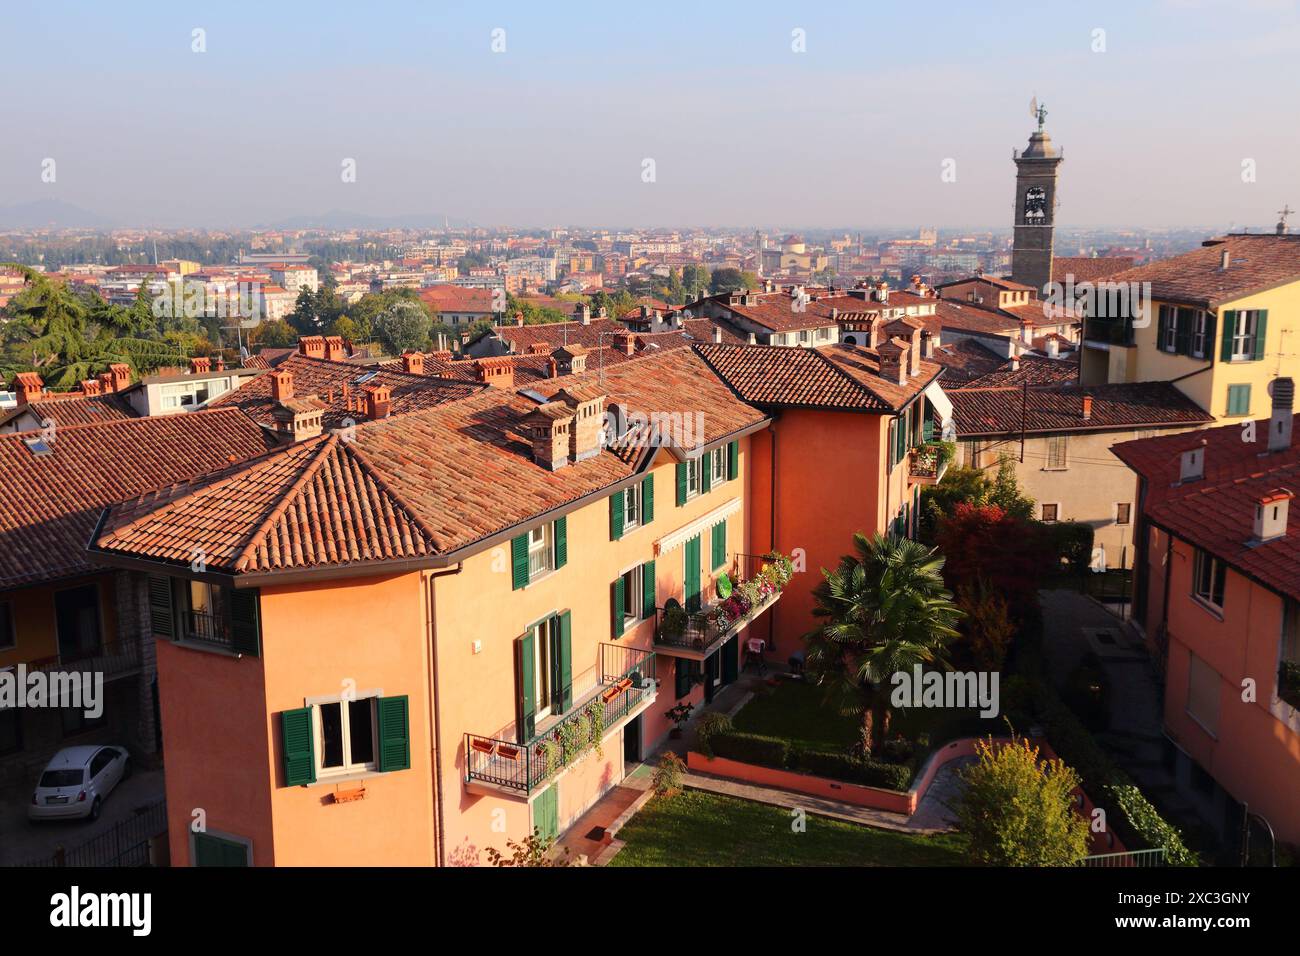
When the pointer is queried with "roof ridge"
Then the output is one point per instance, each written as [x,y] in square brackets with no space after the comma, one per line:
[377,476]
[138,420]
[274,515]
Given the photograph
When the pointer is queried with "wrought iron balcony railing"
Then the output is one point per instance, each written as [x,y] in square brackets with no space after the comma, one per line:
[756,582]
[927,464]
[625,682]
[112,660]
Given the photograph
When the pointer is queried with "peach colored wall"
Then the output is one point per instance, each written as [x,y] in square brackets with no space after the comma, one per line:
[890,800]
[34,619]
[1254,754]
[477,689]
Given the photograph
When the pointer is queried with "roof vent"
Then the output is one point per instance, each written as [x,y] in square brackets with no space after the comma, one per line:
[1279,427]
[1271,514]
[1192,466]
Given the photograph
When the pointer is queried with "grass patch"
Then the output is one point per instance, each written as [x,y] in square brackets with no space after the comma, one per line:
[794,711]
[705,829]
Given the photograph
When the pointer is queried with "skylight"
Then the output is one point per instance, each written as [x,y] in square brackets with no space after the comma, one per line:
[37,445]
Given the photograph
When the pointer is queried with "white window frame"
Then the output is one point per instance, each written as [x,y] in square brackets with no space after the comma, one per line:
[694,475]
[348,767]
[1243,335]
[633,579]
[1169,328]
[542,551]
[632,507]
[717,466]
[544,649]
[1216,565]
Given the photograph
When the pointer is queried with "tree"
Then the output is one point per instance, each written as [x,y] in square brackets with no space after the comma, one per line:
[532,850]
[971,486]
[986,547]
[1006,492]
[884,610]
[695,280]
[726,280]
[402,326]
[1019,811]
[276,334]
[988,628]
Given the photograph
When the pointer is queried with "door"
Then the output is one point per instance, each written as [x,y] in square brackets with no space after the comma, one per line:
[546,812]
[632,740]
[712,676]
[76,616]
[692,574]
[730,660]
[101,771]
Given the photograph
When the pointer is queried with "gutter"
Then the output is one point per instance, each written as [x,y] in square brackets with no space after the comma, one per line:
[435,716]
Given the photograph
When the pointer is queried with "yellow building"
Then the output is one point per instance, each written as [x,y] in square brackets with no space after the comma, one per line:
[1220,322]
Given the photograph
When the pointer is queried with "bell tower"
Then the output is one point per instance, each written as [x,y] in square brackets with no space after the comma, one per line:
[1035,211]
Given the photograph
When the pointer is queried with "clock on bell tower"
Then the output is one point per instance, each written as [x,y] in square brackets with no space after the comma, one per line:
[1035,209]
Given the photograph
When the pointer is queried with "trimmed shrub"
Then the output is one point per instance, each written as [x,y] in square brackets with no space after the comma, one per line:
[1072,544]
[713,724]
[752,748]
[850,769]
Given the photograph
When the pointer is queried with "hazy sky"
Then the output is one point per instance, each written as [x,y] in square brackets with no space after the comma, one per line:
[853,132]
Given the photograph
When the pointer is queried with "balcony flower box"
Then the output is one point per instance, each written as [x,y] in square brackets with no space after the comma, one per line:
[507,752]
[350,796]
[483,746]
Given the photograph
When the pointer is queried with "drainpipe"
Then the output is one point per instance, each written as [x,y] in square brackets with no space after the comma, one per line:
[771,527]
[435,717]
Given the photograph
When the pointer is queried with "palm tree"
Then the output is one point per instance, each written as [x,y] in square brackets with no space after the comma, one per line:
[885,610]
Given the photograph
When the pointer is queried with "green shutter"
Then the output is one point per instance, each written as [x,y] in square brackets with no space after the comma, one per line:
[681,678]
[616,516]
[525,688]
[299,752]
[616,606]
[519,561]
[648,589]
[1229,329]
[733,460]
[648,499]
[162,613]
[561,542]
[1183,331]
[1209,336]
[214,851]
[546,813]
[719,544]
[245,621]
[564,661]
[1162,326]
[706,472]
[394,733]
[1261,327]
[691,587]
[681,483]
[1238,399]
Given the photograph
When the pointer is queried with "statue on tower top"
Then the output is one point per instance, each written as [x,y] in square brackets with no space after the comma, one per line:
[1038,112]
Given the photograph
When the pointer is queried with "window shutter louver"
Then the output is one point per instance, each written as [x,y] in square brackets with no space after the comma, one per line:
[1229,330]
[648,499]
[733,460]
[681,678]
[616,516]
[1209,336]
[719,544]
[616,606]
[299,751]
[706,473]
[561,542]
[519,562]
[394,733]
[681,483]
[162,614]
[648,589]
[1261,327]
[245,621]
[565,661]
[525,688]
[1183,332]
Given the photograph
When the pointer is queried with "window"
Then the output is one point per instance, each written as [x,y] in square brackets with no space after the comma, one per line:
[76,613]
[1238,399]
[1243,336]
[1057,453]
[346,729]
[210,850]
[631,507]
[1050,512]
[1123,512]
[545,637]
[693,472]
[1209,574]
[8,636]
[717,466]
[631,596]
[540,552]
[1201,343]
[1203,687]
[1168,328]
[803,337]
[206,613]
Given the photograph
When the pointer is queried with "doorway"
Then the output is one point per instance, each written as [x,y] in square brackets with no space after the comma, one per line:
[632,741]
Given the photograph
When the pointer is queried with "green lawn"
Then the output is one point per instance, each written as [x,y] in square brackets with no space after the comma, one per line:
[704,829]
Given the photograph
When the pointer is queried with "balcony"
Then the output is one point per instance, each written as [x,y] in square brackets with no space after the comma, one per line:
[208,630]
[755,583]
[113,660]
[928,463]
[626,686]
[1108,332]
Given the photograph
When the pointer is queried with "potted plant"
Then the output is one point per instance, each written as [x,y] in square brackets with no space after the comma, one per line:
[674,622]
[679,713]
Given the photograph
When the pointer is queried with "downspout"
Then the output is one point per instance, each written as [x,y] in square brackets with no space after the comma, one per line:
[435,715]
[771,529]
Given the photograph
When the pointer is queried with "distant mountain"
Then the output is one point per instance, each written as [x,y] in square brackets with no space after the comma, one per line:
[344,219]
[50,213]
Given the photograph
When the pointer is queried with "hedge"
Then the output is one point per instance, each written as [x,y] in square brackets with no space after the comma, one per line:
[752,748]
[777,753]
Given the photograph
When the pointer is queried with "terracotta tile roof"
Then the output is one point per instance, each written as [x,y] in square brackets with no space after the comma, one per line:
[775,312]
[49,503]
[1216,513]
[555,334]
[455,298]
[78,410]
[1033,371]
[968,317]
[1257,263]
[996,281]
[835,376]
[325,380]
[416,485]
[965,361]
[1000,411]
[1088,269]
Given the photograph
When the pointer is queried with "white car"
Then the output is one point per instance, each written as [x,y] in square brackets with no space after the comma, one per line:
[77,781]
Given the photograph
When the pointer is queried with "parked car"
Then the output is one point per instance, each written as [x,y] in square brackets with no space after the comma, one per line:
[77,781]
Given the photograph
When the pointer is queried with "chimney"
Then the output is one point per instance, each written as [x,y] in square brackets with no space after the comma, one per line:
[334,350]
[297,419]
[894,360]
[378,401]
[1027,332]
[90,386]
[1225,258]
[588,407]
[1015,363]
[219,364]
[1191,467]
[1053,347]
[914,354]
[552,368]
[572,359]
[751,340]
[28,385]
[121,374]
[927,344]
[519,319]
[312,346]
[499,372]
[582,312]
[717,335]
[1087,407]
[1279,425]
[413,362]
[624,342]
[282,385]
[441,355]
[200,365]
[1271,514]
[105,382]
[548,427]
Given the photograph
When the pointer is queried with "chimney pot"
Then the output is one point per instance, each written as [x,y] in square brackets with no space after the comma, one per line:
[90,386]
[498,371]
[378,401]
[282,385]
[1282,391]
[29,386]
[413,362]
[1271,514]
[1087,407]
[199,365]
[1225,258]
[334,350]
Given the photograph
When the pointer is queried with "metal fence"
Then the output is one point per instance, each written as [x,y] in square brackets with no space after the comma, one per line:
[126,844]
[1132,858]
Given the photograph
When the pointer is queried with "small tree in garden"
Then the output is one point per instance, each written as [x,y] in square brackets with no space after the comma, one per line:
[532,850]
[1006,553]
[988,629]
[1019,811]
[884,610]
[668,775]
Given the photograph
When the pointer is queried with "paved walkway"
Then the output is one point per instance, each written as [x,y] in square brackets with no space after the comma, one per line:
[937,809]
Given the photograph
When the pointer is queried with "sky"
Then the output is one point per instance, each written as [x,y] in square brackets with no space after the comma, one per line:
[854,131]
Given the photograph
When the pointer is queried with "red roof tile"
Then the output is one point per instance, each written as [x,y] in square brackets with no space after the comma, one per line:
[1256,263]
[1001,411]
